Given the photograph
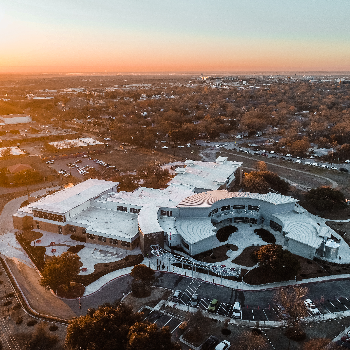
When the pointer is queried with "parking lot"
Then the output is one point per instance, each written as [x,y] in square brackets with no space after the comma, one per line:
[77,166]
[161,319]
[259,305]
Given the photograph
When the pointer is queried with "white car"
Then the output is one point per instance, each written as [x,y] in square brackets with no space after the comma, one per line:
[177,294]
[237,310]
[311,307]
[223,345]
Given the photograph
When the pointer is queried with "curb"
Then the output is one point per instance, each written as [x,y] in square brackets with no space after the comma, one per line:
[23,300]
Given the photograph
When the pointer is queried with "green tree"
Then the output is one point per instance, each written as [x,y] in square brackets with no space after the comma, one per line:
[326,199]
[264,182]
[143,278]
[60,270]
[148,336]
[116,328]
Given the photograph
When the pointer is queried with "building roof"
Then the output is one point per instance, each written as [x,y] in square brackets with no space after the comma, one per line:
[205,175]
[302,228]
[207,199]
[193,230]
[143,196]
[108,223]
[15,118]
[63,201]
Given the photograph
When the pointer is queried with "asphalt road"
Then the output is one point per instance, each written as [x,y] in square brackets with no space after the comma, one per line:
[329,296]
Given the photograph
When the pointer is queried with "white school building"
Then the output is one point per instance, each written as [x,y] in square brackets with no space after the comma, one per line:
[186,214]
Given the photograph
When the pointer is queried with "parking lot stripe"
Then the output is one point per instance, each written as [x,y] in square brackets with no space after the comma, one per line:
[176,328]
[267,319]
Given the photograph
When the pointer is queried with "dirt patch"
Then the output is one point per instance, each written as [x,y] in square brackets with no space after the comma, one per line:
[130,159]
[309,269]
[245,258]
[157,294]
[265,235]
[217,254]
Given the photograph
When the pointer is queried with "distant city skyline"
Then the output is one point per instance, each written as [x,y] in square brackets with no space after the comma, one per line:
[174,36]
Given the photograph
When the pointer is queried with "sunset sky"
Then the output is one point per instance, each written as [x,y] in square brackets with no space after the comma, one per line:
[174,36]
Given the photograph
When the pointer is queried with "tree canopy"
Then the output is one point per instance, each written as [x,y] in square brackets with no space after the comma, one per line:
[143,278]
[291,304]
[277,262]
[326,198]
[116,328]
[264,182]
[60,270]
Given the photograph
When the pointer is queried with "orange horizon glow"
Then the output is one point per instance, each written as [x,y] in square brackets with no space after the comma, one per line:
[65,36]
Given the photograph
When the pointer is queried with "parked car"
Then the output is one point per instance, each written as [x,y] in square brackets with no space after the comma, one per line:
[311,307]
[177,294]
[210,343]
[225,344]
[237,310]
[194,300]
[213,305]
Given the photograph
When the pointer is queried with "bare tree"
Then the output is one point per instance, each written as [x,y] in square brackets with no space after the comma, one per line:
[249,340]
[290,301]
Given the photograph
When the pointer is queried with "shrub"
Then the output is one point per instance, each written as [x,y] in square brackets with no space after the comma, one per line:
[16,307]
[224,233]
[53,328]
[19,320]
[32,323]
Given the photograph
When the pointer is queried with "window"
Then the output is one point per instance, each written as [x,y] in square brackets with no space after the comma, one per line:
[60,229]
[49,216]
[253,221]
[275,226]
[225,207]
[241,219]
[72,229]
[102,239]
[83,231]
[185,245]
[125,244]
[113,241]
[134,210]
[163,212]
[238,206]
[37,225]
[121,208]
[253,207]
[90,236]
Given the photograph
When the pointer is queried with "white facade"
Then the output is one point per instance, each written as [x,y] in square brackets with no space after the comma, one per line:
[15,119]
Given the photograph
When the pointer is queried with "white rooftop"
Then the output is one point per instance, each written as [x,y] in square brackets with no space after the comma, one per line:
[206,199]
[63,201]
[302,228]
[207,175]
[108,223]
[194,230]
[143,196]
